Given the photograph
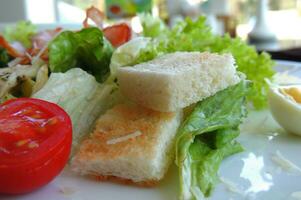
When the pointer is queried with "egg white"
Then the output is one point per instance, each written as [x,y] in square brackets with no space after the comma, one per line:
[285,110]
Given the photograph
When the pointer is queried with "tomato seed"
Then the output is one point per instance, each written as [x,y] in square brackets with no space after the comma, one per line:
[36,116]
[22,142]
[52,121]
[33,144]
[41,129]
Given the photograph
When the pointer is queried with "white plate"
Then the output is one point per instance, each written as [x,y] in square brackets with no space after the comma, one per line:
[249,175]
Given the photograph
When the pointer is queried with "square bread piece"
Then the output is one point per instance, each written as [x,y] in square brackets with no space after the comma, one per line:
[177,80]
[130,144]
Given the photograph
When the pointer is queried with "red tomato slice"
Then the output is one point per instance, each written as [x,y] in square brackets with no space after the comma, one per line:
[118,34]
[35,144]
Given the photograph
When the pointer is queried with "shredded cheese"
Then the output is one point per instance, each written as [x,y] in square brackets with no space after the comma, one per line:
[284,163]
[232,187]
[67,190]
[124,138]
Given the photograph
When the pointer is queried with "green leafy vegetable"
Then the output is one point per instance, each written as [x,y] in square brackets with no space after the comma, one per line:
[196,36]
[206,138]
[204,165]
[220,137]
[4,57]
[86,49]
[82,97]
[21,32]
[127,54]
[152,27]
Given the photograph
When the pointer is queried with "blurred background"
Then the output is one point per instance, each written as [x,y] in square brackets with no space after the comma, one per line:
[272,25]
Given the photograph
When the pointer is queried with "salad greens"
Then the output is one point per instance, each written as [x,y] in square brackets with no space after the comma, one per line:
[4,57]
[197,36]
[206,137]
[86,49]
[152,26]
[21,32]
[204,165]
[19,80]
[127,54]
[81,96]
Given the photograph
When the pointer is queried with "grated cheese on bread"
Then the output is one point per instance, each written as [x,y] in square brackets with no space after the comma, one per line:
[130,143]
[177,80]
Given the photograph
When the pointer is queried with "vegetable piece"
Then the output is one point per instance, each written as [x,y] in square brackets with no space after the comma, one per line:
[40,42]
[152,26]
[21,32]
[118,34]
[25,88]
[41,79]
[197,158]
[127,54]
[220,137]
[204,167]
[10,50]
[11,77]
[4,57]
[35,143]
[80,95]
[87,49]
[42,38]
[95,15]
[196,36]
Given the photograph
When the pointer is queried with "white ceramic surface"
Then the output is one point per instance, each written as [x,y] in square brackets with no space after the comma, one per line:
[253,174]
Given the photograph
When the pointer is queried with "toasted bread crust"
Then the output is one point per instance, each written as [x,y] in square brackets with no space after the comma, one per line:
[129,142]
[119,121]
[119,180]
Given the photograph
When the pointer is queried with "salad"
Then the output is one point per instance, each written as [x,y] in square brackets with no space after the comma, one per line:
[77,71]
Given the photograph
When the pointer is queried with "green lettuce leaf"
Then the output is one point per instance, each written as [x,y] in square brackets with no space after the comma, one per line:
[21,32]
[152,26]
[197,36]
[127,54]
[221,137]
[206,137]
[86,49]
[204,164]
[82,97]
[4,57]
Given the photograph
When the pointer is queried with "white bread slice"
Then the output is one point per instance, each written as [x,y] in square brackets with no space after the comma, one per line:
[131,143]
[177,80]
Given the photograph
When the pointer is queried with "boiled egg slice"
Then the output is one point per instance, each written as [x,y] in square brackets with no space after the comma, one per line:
[285,105]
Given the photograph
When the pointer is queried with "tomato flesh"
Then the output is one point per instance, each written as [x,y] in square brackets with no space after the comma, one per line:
[35,143]
[118,34]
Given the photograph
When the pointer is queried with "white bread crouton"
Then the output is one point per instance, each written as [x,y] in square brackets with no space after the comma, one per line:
[177,80]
